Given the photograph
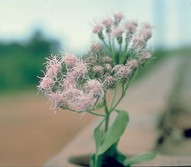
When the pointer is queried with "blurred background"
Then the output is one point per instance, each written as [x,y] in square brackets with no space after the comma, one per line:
[31,30]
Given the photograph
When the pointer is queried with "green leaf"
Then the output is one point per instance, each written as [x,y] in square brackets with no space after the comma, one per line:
[115,131]
[140,158]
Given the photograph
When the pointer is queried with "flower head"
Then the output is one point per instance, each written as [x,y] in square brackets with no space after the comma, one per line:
[69,59]
[79,70]
[123,73]
[132,64]
[77,100]
[131,27]
[98,69]
[107,59]
[94,88]
[145,55]
[53,66]
[96,47]
[97,28]
[57,100]
[107,22]
[110,82]
[117,32]
[46,83]
[118,16]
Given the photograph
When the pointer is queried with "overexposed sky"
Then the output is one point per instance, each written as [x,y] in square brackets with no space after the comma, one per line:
[72,20]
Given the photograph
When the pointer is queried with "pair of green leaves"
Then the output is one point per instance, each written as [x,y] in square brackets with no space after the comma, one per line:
[104,142]
[108,142]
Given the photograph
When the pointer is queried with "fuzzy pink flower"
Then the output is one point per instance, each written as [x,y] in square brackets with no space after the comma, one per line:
[138,42]
[94,88]
[77,100]
[96,47]
[98,69]
[46,83]
[107,22]
[69,59]
[79,70]
[81,104]
[146,34]
[145,55]
[110,82]
[118,16]
[90,60]
[146,31]
[131,27]
[57,100]
[116,68]
[132,64]
[117,32]
[107,59]
[123,73]
[107,67]
[53,66]
[97,28]
[69,82]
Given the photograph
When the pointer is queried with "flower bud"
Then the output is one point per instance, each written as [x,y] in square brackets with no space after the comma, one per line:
[110,82]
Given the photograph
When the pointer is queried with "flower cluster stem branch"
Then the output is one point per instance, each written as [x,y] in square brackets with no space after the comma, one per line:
[107,114]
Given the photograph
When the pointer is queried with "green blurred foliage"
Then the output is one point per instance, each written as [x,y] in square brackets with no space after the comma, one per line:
[20,64]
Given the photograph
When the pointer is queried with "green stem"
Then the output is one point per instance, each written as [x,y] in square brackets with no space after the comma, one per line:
[119,58]
[90,111]
[101,115]
[107,114]
[108,47]
[113,98]
[123,57]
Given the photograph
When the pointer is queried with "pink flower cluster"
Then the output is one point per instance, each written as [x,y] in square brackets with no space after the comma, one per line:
[70,89]
[80,84]
[128,31]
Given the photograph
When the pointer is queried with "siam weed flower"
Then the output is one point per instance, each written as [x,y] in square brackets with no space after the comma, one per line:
[145,55]
[107,67]
[68,82]
[90,60]
[107,59]
[110,82]
[123,73]
[117,32]
[131,27]
[76,100]
[139,42]
[70,60]
[46,84]
[107,22]
[94,88]
[118,17]
[57,100]
[53,66]
[146,31]
[98,28]
[79,70]
[146,34]
[116,68]
[132,64]
[96,48]
[98,69]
